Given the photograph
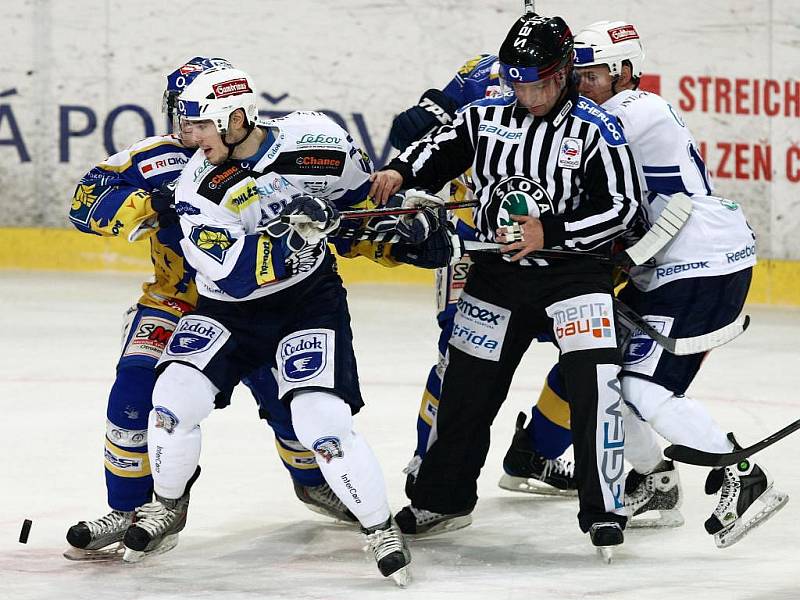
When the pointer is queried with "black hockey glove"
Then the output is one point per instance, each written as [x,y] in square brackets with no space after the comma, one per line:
[441,249]
[416,228]
[434,109]
[162,199]
[316,217]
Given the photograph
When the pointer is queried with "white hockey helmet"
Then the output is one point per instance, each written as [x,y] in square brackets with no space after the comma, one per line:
[609,43]
[215,94]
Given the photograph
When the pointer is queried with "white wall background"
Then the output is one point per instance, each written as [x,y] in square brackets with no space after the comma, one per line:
[68,60]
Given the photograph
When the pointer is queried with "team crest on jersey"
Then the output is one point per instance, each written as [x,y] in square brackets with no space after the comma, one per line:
[304,356]
[213,241]
[520,196]
[570,153]
[328,448]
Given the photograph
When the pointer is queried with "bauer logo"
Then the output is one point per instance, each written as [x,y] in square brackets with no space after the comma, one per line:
[304,356]
[328,448]
[498,131]
[233,87]
[193,335]
[583,323]
[479,328]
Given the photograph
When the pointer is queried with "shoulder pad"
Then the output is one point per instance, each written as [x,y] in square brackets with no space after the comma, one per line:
[607,124]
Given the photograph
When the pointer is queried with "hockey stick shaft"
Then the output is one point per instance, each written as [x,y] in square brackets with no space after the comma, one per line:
[693,456]
[496,248]
[381,212]
[683,346]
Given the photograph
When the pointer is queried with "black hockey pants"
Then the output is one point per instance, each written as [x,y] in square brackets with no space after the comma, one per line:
[503,307]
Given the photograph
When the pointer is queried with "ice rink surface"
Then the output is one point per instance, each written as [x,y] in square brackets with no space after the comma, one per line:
[247,535]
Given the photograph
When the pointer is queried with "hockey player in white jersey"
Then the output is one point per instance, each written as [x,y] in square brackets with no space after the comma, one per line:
[269,293]
[696,284]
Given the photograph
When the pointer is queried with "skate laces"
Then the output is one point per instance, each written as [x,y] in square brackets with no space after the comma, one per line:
[423,517]
[384,542]
[731,486]
[110,523]
[557,466]
[325,495]
[154,518]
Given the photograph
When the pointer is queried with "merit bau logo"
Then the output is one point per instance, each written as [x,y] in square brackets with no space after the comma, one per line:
[583,323]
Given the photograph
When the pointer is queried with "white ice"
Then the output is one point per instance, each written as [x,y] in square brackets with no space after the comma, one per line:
[248,537]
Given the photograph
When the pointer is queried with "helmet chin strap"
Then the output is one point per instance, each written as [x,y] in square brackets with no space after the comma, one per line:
[232,147]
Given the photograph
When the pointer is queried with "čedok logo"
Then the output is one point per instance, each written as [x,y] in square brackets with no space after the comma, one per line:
[304,356]
[193,336]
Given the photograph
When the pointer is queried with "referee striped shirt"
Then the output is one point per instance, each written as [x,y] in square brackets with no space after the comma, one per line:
[572,169]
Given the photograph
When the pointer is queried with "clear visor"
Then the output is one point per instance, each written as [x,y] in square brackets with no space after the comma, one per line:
[535,92]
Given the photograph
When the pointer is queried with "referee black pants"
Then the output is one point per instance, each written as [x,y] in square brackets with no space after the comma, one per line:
[503,307]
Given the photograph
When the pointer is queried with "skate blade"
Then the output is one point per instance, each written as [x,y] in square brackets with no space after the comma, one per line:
[664,519]
[449,525]
[605,554]
[773,500]
[167,544]
[402,577]
[337,518]
[101,555]
[530,485]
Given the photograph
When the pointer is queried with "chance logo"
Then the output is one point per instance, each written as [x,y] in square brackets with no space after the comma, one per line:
[304,356]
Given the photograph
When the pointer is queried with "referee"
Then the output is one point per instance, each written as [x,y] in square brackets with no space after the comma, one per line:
[556,167]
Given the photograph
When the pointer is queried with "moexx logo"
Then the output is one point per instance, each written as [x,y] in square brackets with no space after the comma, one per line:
[477,312]
[675,269]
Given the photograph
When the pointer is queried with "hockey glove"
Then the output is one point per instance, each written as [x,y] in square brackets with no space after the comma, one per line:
[444,247]
[434,109]
[317,218]
[416,228]
[162,199]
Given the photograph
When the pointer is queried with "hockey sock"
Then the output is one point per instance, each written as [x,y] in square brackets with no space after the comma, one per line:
[323,423]
[182,397]
[678,419]
[549,429]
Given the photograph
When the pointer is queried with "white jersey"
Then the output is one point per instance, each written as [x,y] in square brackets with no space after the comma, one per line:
[220,207]
[716,239]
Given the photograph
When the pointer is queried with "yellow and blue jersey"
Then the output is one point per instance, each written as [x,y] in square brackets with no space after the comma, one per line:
[113,199]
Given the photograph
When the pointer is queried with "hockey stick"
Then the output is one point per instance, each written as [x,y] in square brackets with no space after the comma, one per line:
[381,212]
[683,346]
[675,214]
[692,456]
[530,7]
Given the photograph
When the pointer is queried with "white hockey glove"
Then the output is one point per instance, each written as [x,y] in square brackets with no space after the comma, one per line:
[312,218]
[416,228]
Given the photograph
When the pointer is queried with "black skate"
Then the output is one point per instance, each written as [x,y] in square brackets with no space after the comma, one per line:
[528,471]
[390,550]
[156,525]
[419,523]
[605,536]
[100,539]
[737,513]
[659,493]
[322,500]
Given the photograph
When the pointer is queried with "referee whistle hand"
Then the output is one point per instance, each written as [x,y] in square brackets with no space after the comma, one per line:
[384,184]
[532,234]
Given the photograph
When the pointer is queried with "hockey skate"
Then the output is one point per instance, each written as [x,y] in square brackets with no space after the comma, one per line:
[605,536]
[390,551]
[98,540]
[322,500]
[737,512]
[419,523]
[658,493]
[528,471]
[156,525]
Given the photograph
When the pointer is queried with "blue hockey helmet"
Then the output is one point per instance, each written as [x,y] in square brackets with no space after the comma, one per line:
[180,78]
